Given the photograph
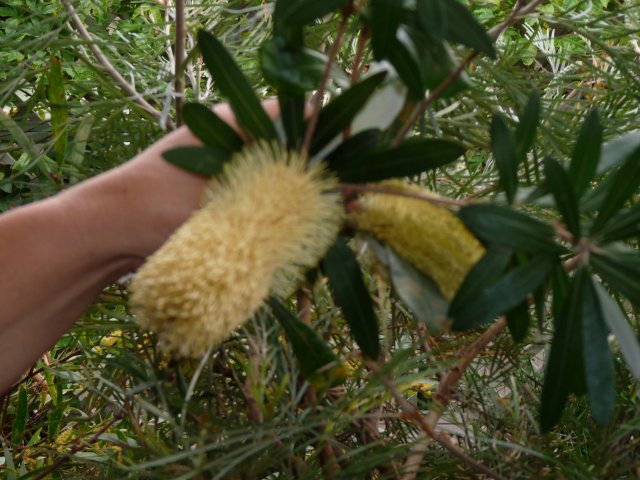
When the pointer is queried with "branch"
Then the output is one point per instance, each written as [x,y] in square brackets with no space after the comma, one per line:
[125,86]
[179,67]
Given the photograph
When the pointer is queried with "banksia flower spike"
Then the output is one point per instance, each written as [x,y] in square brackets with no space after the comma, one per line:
[427,235]
[264,222]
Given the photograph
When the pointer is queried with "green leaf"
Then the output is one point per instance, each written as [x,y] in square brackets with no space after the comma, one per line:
[210,128]
[291,69]
[619,271]
[54,421]
[497,225]
[204,161]
[339,113]
[292,115]
[565,358]
[618,150]
[251,117]
[351,294]
[504,150]
[386,16]
[625,225]
[432,14]
[518,321]
[562,190]
[487,271]
[598,360]
[586,153]
[437,62]
[462,27]
[619,326]
[408,69]
[412,157]
[20,420]
[419,293]
[527,126]
[358,144]
[304,12]
[59,109]
[318,364]
[624,184]
[503,295]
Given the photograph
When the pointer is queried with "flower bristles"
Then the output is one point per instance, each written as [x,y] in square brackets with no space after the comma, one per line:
[429,236]
[264,222]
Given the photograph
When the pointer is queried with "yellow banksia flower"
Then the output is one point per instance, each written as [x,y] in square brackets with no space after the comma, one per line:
[265,221]
[429,236]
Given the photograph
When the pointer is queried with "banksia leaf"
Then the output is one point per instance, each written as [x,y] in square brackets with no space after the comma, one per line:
[428,236]
[264,222]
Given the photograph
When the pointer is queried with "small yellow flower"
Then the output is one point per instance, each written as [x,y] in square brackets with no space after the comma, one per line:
[427,235]
[264,222]
[110,340]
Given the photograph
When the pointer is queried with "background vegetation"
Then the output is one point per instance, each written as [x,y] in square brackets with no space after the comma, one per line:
[105,402]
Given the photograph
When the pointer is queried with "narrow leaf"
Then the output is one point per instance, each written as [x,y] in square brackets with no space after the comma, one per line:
[619,272]
[565,358]
[618,150]
[20,420]
[504,151]
[497,225]
[527,126]
[351,294]
[204,161]
[419,293]
[339,113]
[432,14]
[500,297]
[59,109]
[562,190]
[598,360]
[251,117]
[586,153]
[619,326]
[385,19]
[518,321]
[292,115]
[625,225]
[318,364]
[412,157]
[462,27]
[358,144]
[408,69]
[210,128]
[304,12]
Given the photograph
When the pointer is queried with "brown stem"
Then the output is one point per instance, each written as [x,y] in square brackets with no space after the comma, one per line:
[125,86]
[317,99]
[179,67]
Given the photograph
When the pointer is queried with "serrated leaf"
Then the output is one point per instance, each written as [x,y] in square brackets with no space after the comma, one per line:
[251,117]
[503,226]
[527,126]
[432,14]
[598,360]
[504,151]
[304,12]
[412,157]
[291,69]
[619,326]
[318,364]
[358,144]
[419,293]
[618,150]
[386,16]
[561,188]
[462,27]
[625,225]
[210,128]
[586,153]
[624,184]
[352,296]
[487,271]
[20,419]
[339,113]
[565,358]
[618,271]
[503,295]
[204,161]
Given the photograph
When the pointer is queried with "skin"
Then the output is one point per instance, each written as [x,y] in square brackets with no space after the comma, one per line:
[59,253]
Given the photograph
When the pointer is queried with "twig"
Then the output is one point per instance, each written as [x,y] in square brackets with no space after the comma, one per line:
[78,446]
[317,99]
[431,198]
[519,11]
[447,387]
[125,86]
[179,67]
